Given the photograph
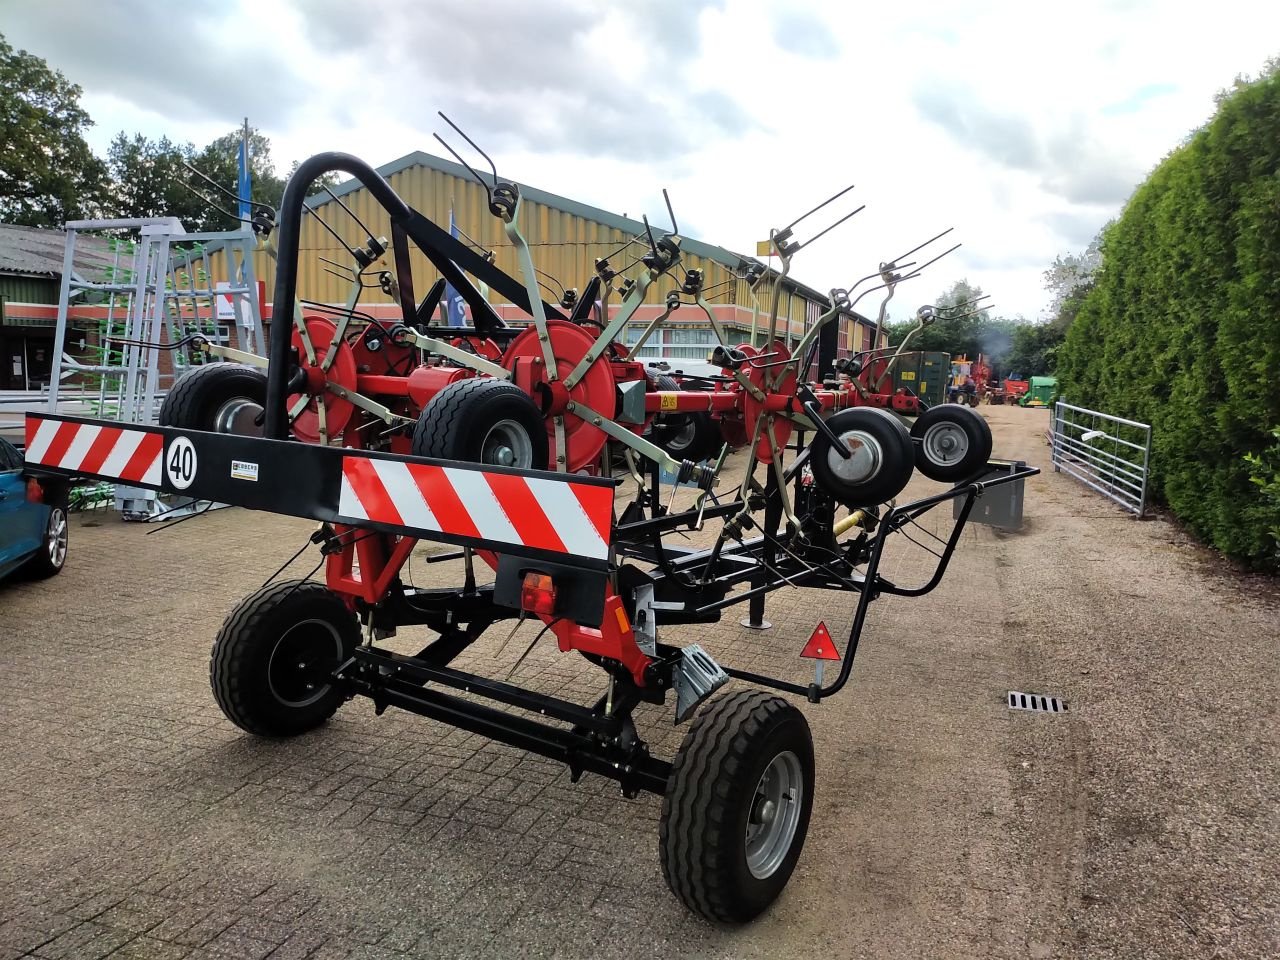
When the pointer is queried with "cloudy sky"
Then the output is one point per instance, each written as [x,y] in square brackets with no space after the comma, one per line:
[1023,125]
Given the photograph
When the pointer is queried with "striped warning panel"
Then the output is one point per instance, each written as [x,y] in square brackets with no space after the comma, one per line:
[540,513]
[128,454]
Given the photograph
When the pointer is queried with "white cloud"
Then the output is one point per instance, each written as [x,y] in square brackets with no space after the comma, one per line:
[1024,127]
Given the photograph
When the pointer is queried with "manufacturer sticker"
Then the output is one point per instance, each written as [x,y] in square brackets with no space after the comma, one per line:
[243,470]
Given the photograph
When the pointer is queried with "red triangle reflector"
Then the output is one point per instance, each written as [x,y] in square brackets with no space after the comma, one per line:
[820,645]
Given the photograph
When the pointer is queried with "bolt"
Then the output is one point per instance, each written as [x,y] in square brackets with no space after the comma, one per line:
[596,421]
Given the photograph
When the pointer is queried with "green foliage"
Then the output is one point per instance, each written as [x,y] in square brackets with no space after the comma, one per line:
[1181,327]
[148,178]
[1264,472]
[1011,346]
[48,174]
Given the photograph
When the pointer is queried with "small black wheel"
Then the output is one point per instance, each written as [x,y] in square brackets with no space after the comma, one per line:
[274,657]
[737,806]
[881,463]
[952,442]
[219,398]
[52,555]
[483,420]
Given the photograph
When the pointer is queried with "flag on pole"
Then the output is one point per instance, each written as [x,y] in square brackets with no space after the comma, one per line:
[456,315]
[243,186]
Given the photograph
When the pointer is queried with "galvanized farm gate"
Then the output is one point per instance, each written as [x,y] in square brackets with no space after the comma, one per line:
[1107,453]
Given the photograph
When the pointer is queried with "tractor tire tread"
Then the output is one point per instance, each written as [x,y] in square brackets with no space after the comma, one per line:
[230,655]
[188,398]
[700,802]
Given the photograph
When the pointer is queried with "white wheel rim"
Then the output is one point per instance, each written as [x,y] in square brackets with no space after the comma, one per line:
[865,461]
[774,815]
[238,416]
[945,444]
[507,444]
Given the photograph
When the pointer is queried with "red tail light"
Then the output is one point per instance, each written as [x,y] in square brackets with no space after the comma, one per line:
[35,492]
[538,594]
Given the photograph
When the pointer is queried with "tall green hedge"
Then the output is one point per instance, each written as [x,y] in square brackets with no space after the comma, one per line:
[1182,329]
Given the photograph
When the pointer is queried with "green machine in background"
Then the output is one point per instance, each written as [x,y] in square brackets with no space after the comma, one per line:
[1040,393]
[924,373]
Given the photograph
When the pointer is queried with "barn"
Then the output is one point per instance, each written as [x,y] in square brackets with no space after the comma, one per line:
[565,237]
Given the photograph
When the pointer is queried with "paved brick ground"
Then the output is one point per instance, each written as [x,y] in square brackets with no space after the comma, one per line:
[138,822]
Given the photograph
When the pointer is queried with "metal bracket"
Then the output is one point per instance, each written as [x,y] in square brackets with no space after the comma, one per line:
[697,677]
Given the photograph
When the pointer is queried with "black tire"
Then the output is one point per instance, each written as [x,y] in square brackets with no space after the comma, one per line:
[693,437]
[52,555]
[664,425]
[219,398]
[712,799]
[881,465]
[459,423]
[951,442]
[272,659]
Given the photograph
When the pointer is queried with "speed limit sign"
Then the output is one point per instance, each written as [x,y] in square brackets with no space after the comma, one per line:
[180,463]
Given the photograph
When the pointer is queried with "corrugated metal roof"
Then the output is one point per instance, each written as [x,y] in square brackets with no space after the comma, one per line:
[721,255]
[38,252]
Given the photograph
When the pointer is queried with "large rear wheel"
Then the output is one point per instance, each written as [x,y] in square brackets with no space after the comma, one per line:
[737,806]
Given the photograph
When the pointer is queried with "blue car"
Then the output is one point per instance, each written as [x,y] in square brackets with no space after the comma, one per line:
[33,520]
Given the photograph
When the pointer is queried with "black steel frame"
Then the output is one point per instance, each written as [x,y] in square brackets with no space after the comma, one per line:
[602,738]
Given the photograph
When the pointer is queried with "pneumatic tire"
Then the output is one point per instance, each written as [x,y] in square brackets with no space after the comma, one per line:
[952,442]
[483,420]
[272,663]
[737,806]
[219,398]
[882,458]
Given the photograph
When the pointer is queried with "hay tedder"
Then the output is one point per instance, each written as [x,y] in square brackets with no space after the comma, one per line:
[503,441]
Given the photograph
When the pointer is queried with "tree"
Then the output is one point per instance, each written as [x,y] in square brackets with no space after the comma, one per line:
[1181,327]
[150,179]
[48,174]
[1070,279]
[147,179]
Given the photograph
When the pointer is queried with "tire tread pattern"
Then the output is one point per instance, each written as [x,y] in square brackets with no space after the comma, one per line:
[231,658]
[696,834]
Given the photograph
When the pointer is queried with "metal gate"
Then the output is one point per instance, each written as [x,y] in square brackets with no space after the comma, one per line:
[1109,454]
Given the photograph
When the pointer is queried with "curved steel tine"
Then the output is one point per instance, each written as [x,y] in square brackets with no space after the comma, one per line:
[340,266]
[552,279]
[674,229]
[221,189]
[360,223]
[822,233]
[487,189]
[817,208]
[881,286]
[474,146]
[923,245]
[928,263]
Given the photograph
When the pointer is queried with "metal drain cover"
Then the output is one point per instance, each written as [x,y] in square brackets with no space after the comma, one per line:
[1036,702]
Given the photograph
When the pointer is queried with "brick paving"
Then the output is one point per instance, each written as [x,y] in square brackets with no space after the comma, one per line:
[138,822]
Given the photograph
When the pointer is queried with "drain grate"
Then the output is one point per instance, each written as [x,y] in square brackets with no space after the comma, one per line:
[1036,702]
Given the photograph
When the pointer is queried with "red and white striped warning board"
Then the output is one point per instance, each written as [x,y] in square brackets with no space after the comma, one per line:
[128,454]
[559,516]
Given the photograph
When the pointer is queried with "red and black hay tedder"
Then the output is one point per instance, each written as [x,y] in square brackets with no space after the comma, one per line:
[502,441]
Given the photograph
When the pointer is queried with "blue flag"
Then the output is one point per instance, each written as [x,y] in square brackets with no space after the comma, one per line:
[455,306]
[242,183]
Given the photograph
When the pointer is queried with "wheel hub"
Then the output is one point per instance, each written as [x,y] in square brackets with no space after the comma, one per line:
[775,815]
[302,661]
[864,462]
[945,443]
